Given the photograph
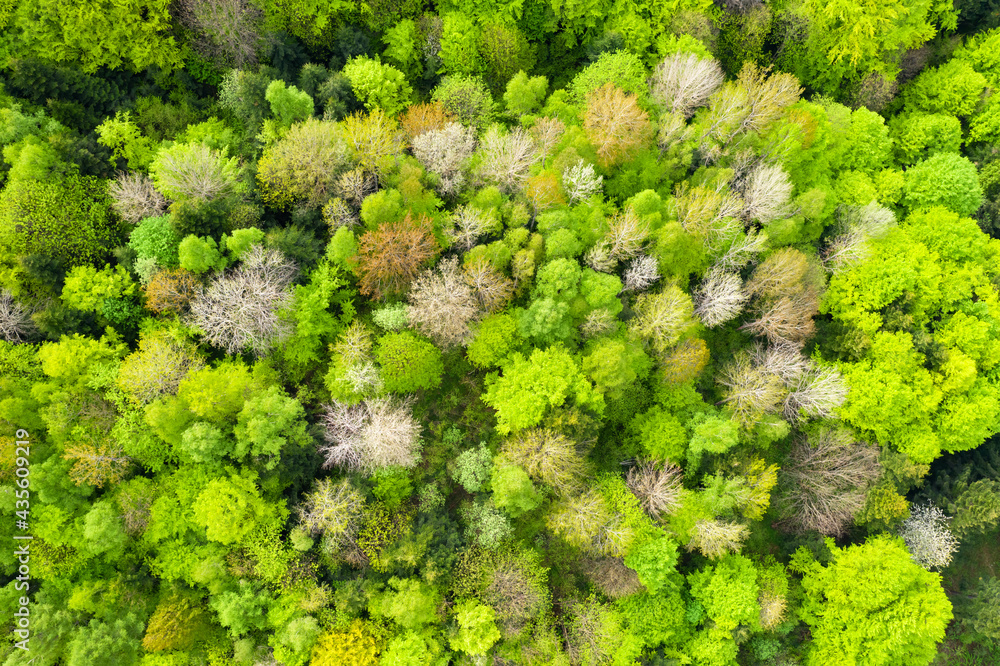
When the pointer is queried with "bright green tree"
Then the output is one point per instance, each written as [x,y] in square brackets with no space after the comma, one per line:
[872,604]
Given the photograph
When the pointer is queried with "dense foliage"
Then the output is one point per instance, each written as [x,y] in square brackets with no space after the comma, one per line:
[569,333]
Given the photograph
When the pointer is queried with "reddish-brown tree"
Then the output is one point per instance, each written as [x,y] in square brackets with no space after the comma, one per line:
[390,257]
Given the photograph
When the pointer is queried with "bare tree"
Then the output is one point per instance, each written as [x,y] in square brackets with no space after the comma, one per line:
[782,359]
[824,482]
[390,256]
[15,320]
[657,485]
[787,318]
[597,323]
[332,509]
[641,274]
[928,537]
[338,214]
[443,305]
[742,249]
[815,393]
[612,577]
[229,31]
[719,298]
[615,124]
[857,225]
[370,435]
[246,308]
[549,457]
[171,290]
[683,82]
[515,595]
[780,274]
[506,158]
[471,224]
[134,197]
[662,318]
[354,186]
[492,289]
[626,234]
[581,182]
[749,390]
[445,152]
[772,608]
[547,132]
[717,538]
[599,258]
[766,194]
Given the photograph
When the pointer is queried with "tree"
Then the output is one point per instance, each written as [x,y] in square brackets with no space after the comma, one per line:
[524,94]
[467,99]
[69,220]
[662,318]
[728,592]
[230,31]
[95,35]
[411,604]
[157,367]
[389,257]
[548,457]
[658,486]
[944,179]
[928,537]
[302,166]
[268,423]
[506,158]
[97,463]
[615,124]
[445,152]
[15,320]
[371,435]
[824,483]
[408,363]
[134,198]
[443,304]
[856,226]
[683,82]
[230,508]
[873,602]
[379,86]
[194,171]
[529,386]
[477,630]
[177,623]
[655,561]
[244,310]
[106,643]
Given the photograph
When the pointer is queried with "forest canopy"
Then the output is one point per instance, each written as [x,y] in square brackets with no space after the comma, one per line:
[564,333]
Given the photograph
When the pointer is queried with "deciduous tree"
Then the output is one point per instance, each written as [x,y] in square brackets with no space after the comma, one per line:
[390,257]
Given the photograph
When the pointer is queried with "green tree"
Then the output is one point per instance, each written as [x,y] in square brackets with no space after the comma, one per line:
[872,604]
[69,220]
[944,179]
[411,603]
[268,424]
[477,631]
[408,362]
[655,561]
[135,33]
[529,386]
[378,86]
[728,592]
[231,508]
